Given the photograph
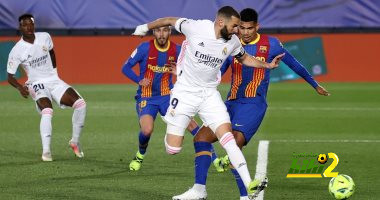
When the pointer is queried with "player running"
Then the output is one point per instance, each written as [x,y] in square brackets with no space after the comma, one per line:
[246,100]
[34,52]
[155,83]
[208,44]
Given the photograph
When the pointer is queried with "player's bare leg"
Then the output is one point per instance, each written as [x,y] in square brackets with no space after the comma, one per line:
[146,127]
[44,104]
[71,98]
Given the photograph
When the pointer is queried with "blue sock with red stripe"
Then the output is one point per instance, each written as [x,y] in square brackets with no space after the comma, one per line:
[239,182]
[143,142]
[202,162]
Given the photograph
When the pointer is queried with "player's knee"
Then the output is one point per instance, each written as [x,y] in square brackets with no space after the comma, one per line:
[79,104]
[147,130]
[172,150]
[47,112]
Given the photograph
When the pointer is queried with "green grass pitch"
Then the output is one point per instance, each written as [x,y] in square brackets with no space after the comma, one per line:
[295,114]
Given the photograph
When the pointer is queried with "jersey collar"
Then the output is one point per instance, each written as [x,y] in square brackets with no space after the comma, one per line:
[161,49]
[252,42]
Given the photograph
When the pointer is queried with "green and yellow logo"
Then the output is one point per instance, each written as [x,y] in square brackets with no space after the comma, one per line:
[312,165]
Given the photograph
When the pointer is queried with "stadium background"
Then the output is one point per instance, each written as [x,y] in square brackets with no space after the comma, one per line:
[92,41]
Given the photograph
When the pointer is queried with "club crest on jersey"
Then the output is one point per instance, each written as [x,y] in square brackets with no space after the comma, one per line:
[44,48]
[263,49]
[171,58]
[224,52]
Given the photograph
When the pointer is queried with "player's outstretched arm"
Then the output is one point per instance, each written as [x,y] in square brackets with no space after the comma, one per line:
[142,30]
[22,89]
[322,91]
[251,61]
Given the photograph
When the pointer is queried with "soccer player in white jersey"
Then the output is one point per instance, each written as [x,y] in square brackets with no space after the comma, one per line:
[207,46]
[34,52]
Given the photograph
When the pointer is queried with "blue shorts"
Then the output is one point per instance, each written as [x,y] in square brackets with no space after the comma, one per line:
[246,117]
[151,106]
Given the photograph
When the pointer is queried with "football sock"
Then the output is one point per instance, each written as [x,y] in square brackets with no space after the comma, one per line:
[143,142]
[78,118]
[195,131]
[236,157]
[239,182]
[202,161]
[213,154]
[45,128]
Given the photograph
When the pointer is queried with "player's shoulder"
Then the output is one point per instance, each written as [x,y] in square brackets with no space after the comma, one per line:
[234,40]
[143,46]
[42,35]
[274,41]
[19,47]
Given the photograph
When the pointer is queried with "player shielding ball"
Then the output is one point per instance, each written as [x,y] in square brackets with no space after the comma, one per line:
[154,84]
[208,44]
[35,54]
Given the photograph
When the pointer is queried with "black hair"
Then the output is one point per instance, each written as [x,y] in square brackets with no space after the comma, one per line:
[249,15]
[25,16]
[228,12]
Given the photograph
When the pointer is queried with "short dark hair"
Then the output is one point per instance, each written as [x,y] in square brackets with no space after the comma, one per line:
[249,15]
[25,16]
[228,12]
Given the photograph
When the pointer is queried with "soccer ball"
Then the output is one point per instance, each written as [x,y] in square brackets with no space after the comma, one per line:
[322,158]
[341,187]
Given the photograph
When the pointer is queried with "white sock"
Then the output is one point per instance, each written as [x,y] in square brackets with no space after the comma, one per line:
[199,187]
[79,116]
[45,129]
[236,157]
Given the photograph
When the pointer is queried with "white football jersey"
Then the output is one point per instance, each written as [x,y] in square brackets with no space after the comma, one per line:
[202,54]
[34,58]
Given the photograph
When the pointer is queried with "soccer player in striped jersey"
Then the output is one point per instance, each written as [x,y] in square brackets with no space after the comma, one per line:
[34,52]
[208,44]
[155,83]
[246,100]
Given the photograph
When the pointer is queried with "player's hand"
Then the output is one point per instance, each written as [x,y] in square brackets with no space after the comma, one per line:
[141,30]
[144,82]
[322,91]
[23,91]
[172,66]
[275,62]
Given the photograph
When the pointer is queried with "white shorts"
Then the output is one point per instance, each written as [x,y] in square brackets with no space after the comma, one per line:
[53,90]
[186,102]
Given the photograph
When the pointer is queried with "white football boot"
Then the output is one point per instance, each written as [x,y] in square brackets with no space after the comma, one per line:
[46,157]
[192,194]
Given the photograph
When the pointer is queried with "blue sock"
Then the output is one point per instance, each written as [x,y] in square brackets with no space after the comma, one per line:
[213,154]
[195,131]
[202,162]
[239,182]
[143,142]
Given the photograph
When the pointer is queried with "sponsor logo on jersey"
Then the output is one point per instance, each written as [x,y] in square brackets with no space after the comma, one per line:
[151,58]
[208,60]
[38,61]
[158,69]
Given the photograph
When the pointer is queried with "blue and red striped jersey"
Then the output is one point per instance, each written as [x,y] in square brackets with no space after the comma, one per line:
[248,82]
[152,59]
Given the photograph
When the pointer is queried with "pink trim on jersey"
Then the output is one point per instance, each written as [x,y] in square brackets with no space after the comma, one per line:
[47,111]
[80,103]
[183,50]
[225,139]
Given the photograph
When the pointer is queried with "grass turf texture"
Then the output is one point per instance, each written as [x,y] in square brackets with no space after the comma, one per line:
[109,141]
